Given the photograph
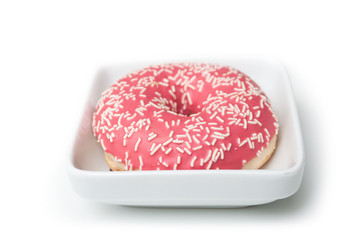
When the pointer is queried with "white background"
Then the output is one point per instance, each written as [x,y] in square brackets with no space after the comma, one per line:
[50,52]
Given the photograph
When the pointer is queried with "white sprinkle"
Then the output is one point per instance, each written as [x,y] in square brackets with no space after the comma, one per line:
[277,126]
[131,133]
[163,84]
[137,144]
[223,146]
[152,147]
[229,146]
[221,134]
[197,148]
[214,141]
[207,143]
[207,129]
[213,115]
[258,153]
[100,107]
[202,162]
[124,142]
[140,161]
[175,167]
[187,150]
[214,155]
[189,98]
[168,151]
[244,142]
[237,108]
[107,120]
[191,86]
[267,132]
[178,159]
[220,119]
[193,160]
[165,164]
[222,153]
[205,137]
[152,137]
[196,139]
[168,141]
[178,141]
[258,114]
[217,156]
[139,111]
[215,136]
[171,133]
[155,149]
[189,137]
[178,122]
[209,165]
[129,118]
[208,156]
[249,143]
[188,145]
[173,95]
[232,122]
[243,108]
[223,110]
[179,149]
[256,120]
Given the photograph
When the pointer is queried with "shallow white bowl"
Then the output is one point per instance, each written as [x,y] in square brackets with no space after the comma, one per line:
[279,178]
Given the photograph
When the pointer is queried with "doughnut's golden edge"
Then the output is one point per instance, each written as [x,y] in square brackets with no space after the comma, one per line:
[258,162]
[255,163]
[113,164]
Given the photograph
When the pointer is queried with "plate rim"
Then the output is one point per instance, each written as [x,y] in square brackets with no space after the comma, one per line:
[293,171]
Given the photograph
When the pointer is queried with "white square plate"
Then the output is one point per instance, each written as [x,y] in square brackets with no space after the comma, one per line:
[279,178]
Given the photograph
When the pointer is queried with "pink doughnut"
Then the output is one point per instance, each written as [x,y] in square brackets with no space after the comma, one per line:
[185,116]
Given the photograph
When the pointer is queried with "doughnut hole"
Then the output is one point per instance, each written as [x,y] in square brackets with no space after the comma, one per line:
[182,102]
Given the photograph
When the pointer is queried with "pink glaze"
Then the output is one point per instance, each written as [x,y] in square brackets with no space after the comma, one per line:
[184,116]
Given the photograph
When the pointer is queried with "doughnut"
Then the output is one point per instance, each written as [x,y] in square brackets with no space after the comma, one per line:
[185,116]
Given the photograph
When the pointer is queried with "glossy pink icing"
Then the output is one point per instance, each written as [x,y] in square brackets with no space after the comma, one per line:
[184,116]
